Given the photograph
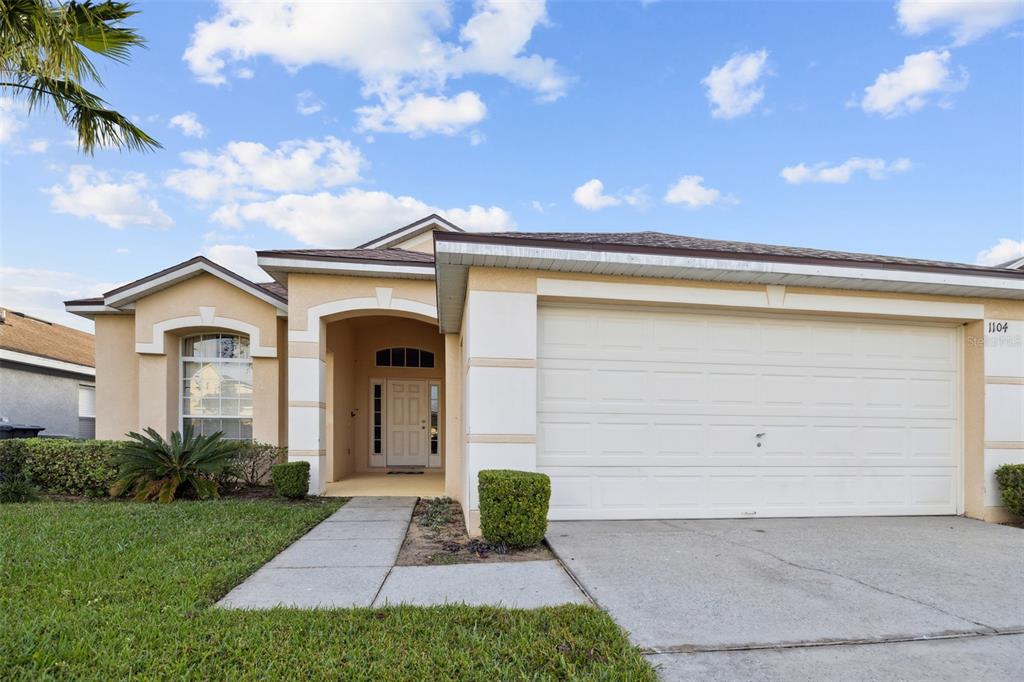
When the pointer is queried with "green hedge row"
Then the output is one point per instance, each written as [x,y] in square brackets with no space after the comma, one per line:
[83,467]
[63,467]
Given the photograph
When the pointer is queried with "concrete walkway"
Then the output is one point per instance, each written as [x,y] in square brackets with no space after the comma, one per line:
[348,561]
[513,584]
[341,563]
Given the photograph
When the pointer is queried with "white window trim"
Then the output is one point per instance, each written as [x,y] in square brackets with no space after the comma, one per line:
[207,317]
[182,359]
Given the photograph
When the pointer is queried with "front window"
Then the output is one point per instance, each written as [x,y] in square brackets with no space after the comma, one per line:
[405,357]
[216,392]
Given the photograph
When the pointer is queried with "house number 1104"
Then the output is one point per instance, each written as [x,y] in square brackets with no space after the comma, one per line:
[998,327]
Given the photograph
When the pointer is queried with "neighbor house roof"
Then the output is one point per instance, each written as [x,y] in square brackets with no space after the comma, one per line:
[25,335]
[1014,264]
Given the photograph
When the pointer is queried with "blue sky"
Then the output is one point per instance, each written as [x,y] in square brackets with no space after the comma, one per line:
[882,127]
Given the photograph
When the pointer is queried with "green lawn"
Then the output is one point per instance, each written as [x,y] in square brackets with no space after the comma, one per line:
[109,590]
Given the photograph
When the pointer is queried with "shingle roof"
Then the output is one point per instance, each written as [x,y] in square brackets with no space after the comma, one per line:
[652,242]
[29,335]
[361,255]
[274,288]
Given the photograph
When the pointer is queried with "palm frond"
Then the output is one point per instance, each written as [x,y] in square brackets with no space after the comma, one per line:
[44,58]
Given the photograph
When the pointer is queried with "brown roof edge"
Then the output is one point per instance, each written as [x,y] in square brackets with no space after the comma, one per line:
[191,261]
[96,300]
[492,238]
[299,255]
[432,216]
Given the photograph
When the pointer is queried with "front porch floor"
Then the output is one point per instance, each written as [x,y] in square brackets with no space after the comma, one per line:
[428,484]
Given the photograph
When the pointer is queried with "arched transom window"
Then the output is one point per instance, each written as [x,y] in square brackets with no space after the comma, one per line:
[405,357]
[216,385]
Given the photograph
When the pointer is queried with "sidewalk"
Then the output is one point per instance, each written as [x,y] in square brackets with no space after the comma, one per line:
[348,561]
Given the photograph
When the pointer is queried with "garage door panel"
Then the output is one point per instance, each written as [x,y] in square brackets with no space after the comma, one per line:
[601,385]
[662,440]
[645,414]
[655,492]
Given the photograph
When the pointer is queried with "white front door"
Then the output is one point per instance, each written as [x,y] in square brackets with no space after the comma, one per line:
[407,423]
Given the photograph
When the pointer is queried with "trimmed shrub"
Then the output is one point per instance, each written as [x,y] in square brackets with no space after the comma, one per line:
[252,463]
[513,506]
[71,467]
[17,490]
[1011,480]
[291,479]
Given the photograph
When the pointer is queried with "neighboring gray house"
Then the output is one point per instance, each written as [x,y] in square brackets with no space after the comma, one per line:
[47,376]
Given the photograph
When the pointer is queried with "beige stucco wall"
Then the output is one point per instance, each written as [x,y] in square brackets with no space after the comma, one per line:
[141,390]
[424,243]
[117,377]
[454,374]
[186,298]
[306,291]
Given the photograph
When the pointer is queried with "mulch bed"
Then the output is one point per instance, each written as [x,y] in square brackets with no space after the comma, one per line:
[437,536]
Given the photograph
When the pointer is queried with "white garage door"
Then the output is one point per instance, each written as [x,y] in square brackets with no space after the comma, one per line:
[652,414]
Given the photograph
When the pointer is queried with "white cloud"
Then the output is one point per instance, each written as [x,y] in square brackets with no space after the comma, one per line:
[420,114]
[1002,251]
[93,194]
[966,20]
[476,138]
[237,258]
[10,118]
[41,293]
[537,206]
[690,190]
[246,170]
[876,169]
[307,103]
[189,124]
[38,146]
[734,88]
[355,215]
[590,195]
[910,87]
[397,50]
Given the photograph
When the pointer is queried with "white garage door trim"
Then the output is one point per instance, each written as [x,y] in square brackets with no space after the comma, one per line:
[907,373]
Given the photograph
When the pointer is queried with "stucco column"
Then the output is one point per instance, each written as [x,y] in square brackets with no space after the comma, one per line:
[1003,343]
[500,348]
[307,403]
[454,373]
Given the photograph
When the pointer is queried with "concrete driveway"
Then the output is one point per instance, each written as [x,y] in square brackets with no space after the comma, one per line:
[790,599]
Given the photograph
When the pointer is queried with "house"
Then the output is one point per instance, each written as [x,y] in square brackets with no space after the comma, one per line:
[649,375]
[47,377]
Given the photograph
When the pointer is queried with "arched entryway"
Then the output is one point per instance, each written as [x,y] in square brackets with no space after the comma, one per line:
[384,377]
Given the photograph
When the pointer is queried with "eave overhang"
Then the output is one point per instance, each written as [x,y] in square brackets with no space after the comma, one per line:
[454,254]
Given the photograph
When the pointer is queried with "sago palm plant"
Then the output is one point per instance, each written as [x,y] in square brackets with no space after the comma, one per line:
[154,468]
